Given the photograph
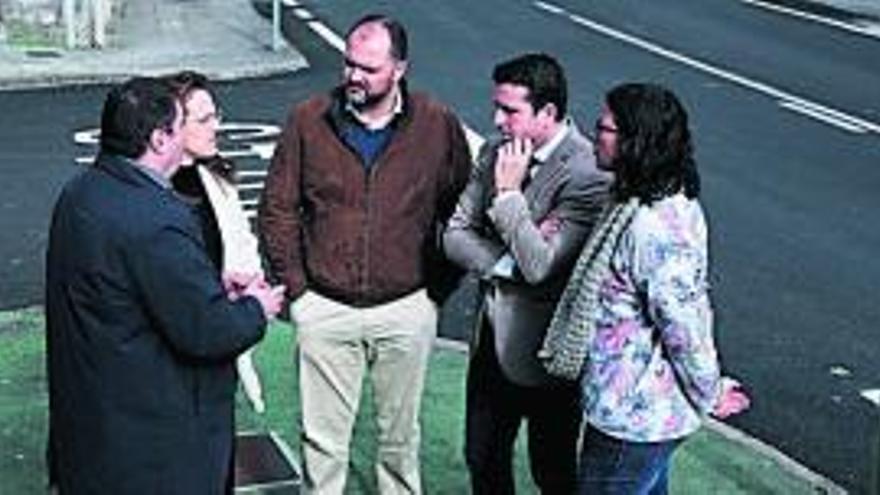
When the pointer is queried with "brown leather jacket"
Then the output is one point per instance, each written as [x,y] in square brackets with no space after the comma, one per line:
[360,237]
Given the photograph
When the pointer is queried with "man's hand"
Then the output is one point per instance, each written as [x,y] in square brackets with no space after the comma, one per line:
[235,282]
[549,226]
[512,164]
[270,298]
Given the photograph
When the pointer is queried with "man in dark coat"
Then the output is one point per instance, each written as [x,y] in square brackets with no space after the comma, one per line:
[142,333]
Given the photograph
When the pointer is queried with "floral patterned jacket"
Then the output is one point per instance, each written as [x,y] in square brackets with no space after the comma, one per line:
[652,370]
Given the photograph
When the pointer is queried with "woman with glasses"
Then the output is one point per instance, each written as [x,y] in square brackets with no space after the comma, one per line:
[207,181]
[634,324]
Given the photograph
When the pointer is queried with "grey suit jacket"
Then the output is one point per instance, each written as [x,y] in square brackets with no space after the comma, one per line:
[567,188]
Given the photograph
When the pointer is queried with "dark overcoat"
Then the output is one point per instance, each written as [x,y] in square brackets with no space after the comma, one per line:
[141,341]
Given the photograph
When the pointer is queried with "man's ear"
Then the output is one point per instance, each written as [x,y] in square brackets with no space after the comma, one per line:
[157,140]
[400,68]
[551,111]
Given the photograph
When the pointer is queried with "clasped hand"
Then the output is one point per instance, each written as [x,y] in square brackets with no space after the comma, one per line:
[238,284]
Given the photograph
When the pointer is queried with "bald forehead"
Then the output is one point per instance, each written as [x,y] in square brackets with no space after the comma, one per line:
[372,35]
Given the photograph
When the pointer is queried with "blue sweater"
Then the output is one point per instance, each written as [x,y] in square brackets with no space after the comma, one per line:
[366,142]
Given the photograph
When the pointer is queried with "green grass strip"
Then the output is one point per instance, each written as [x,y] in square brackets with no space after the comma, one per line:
[707,463]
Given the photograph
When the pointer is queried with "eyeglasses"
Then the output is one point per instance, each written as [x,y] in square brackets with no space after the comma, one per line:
[208,118]
[600,128]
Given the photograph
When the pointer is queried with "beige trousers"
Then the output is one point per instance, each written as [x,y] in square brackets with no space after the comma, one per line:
[337,346]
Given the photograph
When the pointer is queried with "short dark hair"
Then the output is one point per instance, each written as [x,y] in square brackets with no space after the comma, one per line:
[654,156]
[541,74]
[396,32]
[132,111]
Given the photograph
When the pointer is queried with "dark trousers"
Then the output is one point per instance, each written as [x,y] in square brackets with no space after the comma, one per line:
[610,466]
[496,407]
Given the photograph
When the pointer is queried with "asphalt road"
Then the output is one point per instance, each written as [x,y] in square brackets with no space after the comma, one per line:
[786,114]
[789,185]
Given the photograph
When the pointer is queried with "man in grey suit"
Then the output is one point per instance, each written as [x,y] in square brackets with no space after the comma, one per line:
[528,207]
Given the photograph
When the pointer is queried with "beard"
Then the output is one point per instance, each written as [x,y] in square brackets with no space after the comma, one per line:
[361,98]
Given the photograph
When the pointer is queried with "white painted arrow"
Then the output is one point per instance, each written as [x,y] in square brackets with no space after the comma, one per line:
[872,395]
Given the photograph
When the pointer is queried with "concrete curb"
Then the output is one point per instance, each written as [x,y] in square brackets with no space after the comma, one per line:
[41,81]
[820,484]
[242,50]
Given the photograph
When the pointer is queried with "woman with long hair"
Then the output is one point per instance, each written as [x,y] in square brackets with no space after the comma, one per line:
[634,324]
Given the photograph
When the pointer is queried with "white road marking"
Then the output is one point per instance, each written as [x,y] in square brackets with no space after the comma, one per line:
[831,113]
[838,370]
[327,35]
[263,151]
[303,14]
[240,131]
[251,173]
[822,116]
[290,3]
[264,134]
[763,88]
[872,395]
[553,9]
[86,136]
[873,32]
[249,186]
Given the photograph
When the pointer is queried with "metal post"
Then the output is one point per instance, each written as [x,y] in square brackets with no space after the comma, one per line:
[68,11]
[876,456]
[276,25]
[99,23]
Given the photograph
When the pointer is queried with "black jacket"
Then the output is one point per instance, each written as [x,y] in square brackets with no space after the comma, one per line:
[141,341]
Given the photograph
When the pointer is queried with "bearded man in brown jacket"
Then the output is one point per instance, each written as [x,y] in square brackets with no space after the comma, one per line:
[361,183]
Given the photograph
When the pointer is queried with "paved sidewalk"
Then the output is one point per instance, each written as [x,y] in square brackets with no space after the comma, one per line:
[226,39]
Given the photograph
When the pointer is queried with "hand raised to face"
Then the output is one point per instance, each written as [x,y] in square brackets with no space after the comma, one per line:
[512,164]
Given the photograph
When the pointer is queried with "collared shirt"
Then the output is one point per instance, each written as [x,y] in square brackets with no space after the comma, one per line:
[381,122]
[652,370]
[543,153]
[156,177]
[369,137]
